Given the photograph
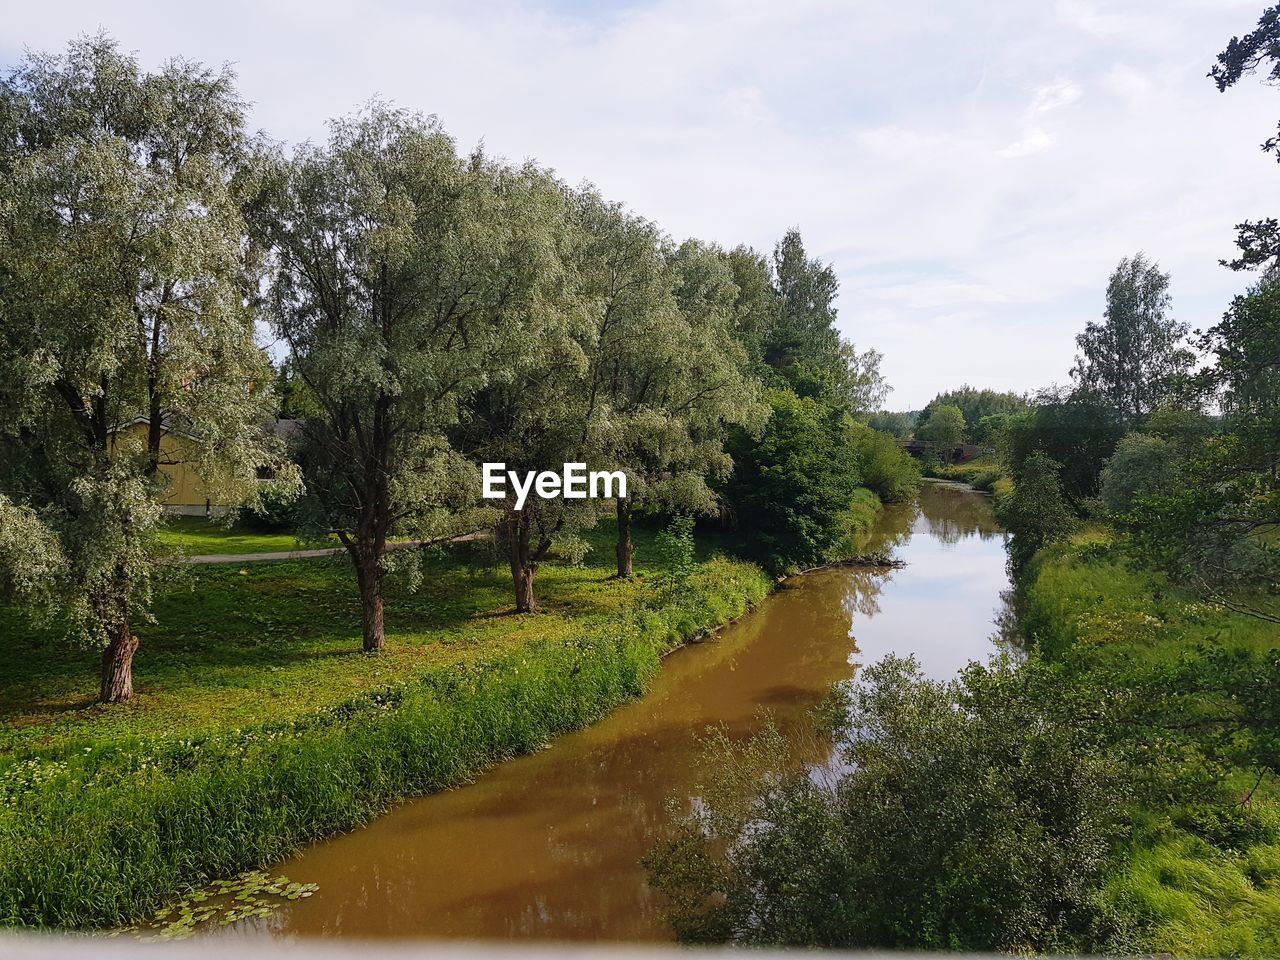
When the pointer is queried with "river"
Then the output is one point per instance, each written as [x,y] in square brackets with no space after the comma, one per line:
[548,846]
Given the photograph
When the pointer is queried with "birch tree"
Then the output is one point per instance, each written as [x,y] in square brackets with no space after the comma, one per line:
[1133,359]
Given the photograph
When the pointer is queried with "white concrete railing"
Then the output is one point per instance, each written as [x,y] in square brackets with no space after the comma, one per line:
[61,947]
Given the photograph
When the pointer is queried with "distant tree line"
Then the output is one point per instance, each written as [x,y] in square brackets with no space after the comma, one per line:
[964,415]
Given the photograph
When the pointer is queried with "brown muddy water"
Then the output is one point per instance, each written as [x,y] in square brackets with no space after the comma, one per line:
[548,846]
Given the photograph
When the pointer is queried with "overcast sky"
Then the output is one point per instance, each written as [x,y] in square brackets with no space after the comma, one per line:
[973,170]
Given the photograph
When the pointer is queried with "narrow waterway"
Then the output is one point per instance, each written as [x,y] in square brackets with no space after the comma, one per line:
[548,845]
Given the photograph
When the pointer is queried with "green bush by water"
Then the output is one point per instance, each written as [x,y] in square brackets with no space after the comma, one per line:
[1113,794]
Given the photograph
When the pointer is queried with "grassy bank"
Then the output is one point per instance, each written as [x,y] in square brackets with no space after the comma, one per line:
[1203,872]
[985,474]
[258,727]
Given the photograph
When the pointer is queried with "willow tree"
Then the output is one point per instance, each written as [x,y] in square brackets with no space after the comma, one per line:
[538,411]
[401,271]
[623,279]
[668,371]
[123,285]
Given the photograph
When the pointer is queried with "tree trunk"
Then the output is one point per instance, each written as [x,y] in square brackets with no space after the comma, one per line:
[117,666]
[368,560]
[523,577]
[515,529]
[369,574]
[624,546]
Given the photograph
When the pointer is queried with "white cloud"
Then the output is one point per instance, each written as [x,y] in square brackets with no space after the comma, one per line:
[1034,141]
[974,171]
[1053,97]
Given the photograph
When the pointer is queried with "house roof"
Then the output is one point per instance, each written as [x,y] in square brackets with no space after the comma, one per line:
[282,428]
[165,425]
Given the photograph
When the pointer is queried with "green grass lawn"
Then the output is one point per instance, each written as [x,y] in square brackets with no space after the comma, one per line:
[196,536]
[233,646]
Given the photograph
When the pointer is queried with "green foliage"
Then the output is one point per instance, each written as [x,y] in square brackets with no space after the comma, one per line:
[944,428]
[252,894]
[1135,359]
[1258,241]
[1217,527]
[122,239]
[675,550]
[791,485]
[1244,55]
[992,431]
[668,376]
[1077,431]
[786,312]
[1238,531]
[883,466]
[982,474]
[1142,465]
[803,332]
[1202,683]
[976,405]
[399,269]
[899,424]
[277,512]
[977,814]
[853,524]
[1183,427]
[1036,512]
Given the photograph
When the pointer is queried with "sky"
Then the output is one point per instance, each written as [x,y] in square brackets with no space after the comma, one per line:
[973,171]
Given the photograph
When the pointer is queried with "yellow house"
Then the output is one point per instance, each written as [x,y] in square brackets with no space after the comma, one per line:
[186,493]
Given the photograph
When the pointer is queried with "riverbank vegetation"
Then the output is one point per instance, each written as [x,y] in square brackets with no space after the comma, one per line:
[1117,791]
[255,728]
[438,310]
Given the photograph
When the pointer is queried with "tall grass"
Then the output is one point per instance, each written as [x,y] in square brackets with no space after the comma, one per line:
[104,835]
[1202,873]
[984,473]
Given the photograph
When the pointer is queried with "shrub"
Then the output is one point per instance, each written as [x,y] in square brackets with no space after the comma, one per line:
[977,814]
[1078,432]
[855,523]
[675,552]
[1036,512]
[1141,465]
[883,466]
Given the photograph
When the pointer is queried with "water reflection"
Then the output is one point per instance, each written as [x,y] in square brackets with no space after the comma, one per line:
[953,513]
[548,846]
[946,605]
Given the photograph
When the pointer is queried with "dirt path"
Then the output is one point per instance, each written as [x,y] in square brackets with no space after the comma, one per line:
[323,552]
